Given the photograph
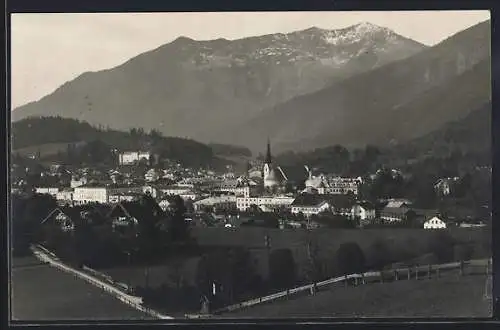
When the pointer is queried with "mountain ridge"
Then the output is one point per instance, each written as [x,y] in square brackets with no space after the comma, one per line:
[218,83]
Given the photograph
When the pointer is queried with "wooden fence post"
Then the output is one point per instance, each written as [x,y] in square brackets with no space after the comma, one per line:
[416,272]
[363,278]
[488,264]
[461,268]
[437,272]
[356,281]
[345,280]
[396,274]
[409,273]
[429,268]
[381,276]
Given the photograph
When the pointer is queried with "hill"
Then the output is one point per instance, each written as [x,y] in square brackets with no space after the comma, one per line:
[53,135]
[393,103]
[201,88]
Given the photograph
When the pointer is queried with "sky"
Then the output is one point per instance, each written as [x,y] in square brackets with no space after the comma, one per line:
[48,50]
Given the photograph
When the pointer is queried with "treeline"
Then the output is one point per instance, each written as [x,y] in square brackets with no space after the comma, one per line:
[229,150]
[35,131]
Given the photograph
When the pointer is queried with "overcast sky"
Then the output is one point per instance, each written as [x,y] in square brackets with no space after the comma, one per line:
[50,49]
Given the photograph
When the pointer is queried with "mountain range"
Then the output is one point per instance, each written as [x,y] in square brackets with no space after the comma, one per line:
[197,89]
[306,89]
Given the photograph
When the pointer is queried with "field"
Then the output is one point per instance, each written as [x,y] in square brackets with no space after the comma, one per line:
[449,296]
[42,293]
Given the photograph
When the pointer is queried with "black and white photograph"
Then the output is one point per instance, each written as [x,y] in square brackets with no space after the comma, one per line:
[250,165]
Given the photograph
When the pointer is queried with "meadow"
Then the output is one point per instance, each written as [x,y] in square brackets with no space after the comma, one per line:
[449,296]
[40,292]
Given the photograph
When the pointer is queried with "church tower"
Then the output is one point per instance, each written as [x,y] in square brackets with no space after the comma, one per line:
[268,171]
[268,160]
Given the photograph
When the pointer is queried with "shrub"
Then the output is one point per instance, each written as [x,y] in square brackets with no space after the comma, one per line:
[380,254]
[463,252]
[282,269]
[350,258]
[441,244]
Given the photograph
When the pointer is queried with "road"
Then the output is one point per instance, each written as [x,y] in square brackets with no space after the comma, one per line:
[42,293]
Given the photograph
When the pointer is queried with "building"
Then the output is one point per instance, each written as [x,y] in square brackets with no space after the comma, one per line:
[132,157]
[101,193]
[273,178]
[225,202]
[309,204]
[445,186]
[364,211]
[65,196]
[265,203]
[151,175]
[435,223]
[53,191]
[118,197]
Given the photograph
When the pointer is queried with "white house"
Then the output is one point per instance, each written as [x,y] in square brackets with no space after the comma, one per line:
[434,223]
[364,212]
[263,202]
[53,191]
[65,195]
[152,175]
[131,157]
[78,181]
[219,201]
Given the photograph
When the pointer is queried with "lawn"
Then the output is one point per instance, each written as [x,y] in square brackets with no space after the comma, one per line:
[43,293]
[449,296]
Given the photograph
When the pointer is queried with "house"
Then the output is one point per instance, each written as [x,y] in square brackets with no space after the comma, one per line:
[167,202]
[227,202]
[398,203]
[265,203]
[100,193]
[394,214]
[129,214]
[308,204]
[444,186]
[60,217]
[132,157]
[65,196]
[117,197]
[53,191]
[364,211]
[434,223]
[151,175]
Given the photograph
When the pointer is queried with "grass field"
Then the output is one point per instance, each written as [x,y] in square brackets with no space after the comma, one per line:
[449,296]
[412,240]
[42,293]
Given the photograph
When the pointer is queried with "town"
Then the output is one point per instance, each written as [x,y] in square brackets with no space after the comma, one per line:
[227,199]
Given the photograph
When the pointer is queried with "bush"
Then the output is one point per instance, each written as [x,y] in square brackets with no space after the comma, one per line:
[463,252]
[282,269]
[380,254]
[442,245]
[350,258]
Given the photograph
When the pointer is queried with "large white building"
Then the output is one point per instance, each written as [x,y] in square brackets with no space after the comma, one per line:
[131,157]
[101,194]
[266,203]
[216,201]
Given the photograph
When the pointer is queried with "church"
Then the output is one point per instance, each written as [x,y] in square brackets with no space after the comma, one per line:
[274,178]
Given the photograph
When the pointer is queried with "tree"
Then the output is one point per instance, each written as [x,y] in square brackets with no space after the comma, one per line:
[282,269]
[381,254]
[463,252]
[350,258]
[314,266]
[442,244]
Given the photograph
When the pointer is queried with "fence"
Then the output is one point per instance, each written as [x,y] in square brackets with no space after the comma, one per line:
[377,275]
[136,302]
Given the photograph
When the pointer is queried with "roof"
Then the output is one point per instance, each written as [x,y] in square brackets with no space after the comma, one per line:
[401,211]
[138,209]
[308,200]
[366,205]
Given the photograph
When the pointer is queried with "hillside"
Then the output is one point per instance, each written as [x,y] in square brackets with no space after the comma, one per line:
[201,88]
[396,102]
[53,134]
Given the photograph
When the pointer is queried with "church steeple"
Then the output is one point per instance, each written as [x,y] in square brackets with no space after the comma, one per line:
[268,154]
